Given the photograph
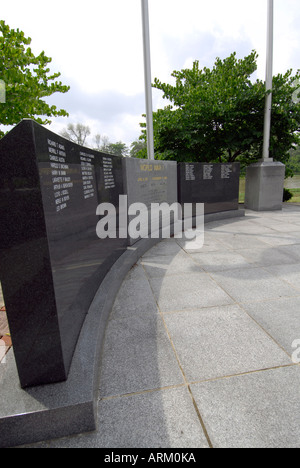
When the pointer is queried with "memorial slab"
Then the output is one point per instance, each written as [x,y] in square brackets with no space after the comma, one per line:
[215,185]
[51,260]
[149,184]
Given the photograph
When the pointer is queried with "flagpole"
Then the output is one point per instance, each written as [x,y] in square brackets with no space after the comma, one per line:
[269,83]
[265,180]
[148,83]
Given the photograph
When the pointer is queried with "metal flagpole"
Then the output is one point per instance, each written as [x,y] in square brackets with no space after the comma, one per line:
[148,84]
[269,82]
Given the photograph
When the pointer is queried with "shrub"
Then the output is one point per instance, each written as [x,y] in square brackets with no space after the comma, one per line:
[287,195]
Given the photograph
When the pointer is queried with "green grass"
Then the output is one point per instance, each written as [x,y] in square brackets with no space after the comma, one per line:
[242,190]
[296,196]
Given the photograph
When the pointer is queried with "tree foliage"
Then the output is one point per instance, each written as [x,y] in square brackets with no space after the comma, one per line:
[138,149]
[217,115]
[27,80]
[118,149]
[294,161]
[105,146]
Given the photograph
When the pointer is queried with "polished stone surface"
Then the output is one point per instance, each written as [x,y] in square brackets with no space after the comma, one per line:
[150,183]
[51,260]
[215,185]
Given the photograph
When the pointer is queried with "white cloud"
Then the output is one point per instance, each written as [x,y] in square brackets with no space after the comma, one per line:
[97,46]
[107,112]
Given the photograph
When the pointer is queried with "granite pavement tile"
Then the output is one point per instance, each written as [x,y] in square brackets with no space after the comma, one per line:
[253,284]
[264,257]
[280,319]
[188,291]
[288,273]
[160,419]
[259,410]
[162,266]
[137,356]
[166,247]
[221,261]
[135,296]
[217,342]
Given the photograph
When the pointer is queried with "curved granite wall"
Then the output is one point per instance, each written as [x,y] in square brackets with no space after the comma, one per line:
[60,279]
[66,213]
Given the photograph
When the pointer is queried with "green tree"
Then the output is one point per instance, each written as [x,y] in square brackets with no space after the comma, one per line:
[138,149]
[117,149]
[294,162]
[217,115]
[105,146]
[27,80]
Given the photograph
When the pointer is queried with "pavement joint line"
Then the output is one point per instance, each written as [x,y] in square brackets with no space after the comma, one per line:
[221,287]
[248,302]
[271,299]
[200,418]
[201,421]
[141,392]
[195,309]
[265,331]
[232,376]
[283,279]
[241,304]
[188,387]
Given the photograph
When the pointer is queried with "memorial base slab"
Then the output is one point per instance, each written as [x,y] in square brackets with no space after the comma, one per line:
[264,186]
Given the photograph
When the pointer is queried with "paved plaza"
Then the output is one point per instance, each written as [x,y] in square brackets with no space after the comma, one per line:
[199,346]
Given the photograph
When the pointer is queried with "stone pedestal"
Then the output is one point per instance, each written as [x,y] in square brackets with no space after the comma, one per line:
[264,186]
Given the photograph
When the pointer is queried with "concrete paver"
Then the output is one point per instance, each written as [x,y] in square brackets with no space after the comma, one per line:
[259,410]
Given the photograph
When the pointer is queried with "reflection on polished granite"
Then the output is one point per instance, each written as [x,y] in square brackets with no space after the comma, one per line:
[51,260]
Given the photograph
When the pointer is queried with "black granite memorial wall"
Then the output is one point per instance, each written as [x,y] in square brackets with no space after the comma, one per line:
[215,185]
[51,260]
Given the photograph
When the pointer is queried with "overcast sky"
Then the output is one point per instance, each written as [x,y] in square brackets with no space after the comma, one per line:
[97,47]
